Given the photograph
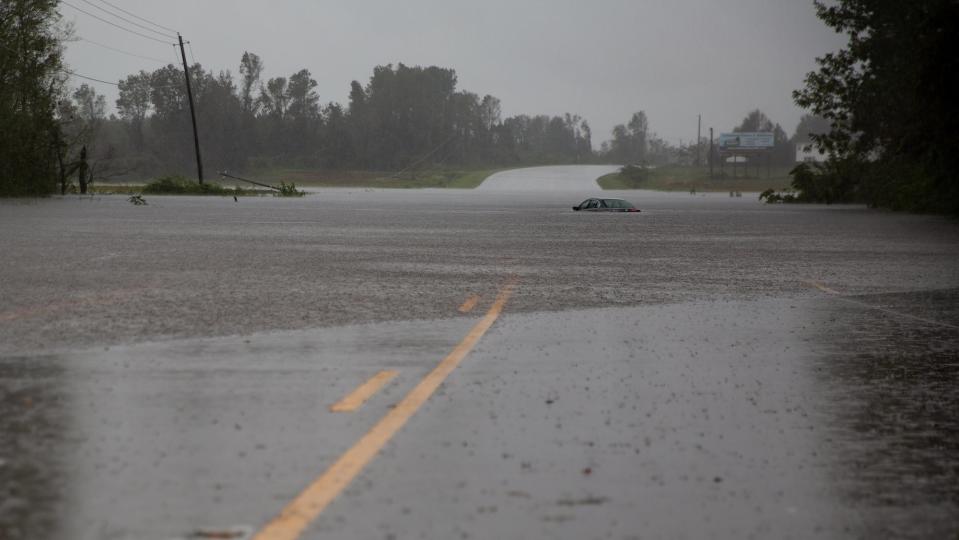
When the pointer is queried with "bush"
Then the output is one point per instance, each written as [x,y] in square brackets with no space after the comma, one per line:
[771,196]
[288,190]
[834,181]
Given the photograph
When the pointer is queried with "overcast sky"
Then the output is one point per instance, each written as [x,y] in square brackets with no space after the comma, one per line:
[601,59]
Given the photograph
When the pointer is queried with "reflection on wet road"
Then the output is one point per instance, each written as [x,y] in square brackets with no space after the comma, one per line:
[33,425]
[892,387]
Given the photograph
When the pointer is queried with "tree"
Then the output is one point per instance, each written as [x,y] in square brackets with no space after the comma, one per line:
[756,120]
[251,67]
[274,97]
[490,111]
[630,141]
[31,83]
[890,97]
[303,101]
[133,104]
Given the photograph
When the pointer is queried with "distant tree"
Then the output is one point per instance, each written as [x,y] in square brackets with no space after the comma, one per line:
[251,67]
[809,125]
[220,112]
[639,133]
[338,149]
[490,111]
[630,141]
[890,97]
[303,101]
[755,121]
[134,104]
[274,97]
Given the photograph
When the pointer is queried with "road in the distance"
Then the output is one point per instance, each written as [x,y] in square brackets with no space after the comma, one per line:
[711,367]
[579,179]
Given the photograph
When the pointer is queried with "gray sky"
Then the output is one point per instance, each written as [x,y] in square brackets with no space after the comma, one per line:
[601,59]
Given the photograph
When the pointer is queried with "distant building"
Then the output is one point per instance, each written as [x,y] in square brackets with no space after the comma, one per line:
[808,152]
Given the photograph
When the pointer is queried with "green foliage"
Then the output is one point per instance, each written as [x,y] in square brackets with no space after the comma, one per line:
[835,181]
[30,85]
[178,185]
[890,97]
[288,190]
[771,196]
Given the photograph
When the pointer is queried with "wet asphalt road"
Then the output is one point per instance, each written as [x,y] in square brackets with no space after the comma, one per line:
[711,367]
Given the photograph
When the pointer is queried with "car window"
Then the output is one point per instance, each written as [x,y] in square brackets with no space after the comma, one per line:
[592,203]
[584,204]
[602,203]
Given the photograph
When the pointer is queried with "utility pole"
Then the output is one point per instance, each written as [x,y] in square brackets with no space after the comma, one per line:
[711,153]
[699,143]
[189,93]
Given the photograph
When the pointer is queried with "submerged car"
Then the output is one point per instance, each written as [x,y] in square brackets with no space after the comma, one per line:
[606,205]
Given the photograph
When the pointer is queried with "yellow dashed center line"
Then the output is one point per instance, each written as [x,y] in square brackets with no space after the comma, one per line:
[297,515]
[822,288]
[470,303]
[358,397]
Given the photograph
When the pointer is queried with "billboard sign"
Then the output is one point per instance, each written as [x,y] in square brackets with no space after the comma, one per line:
[761,140]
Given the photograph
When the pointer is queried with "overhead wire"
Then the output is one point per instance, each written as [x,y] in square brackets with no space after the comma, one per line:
[81,10]
[75,74]
[124,19]
[135,16]
[65,70]
[121,51]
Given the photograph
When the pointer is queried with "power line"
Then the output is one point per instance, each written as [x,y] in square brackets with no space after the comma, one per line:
[135,16]
[124,19]
[191,51]
[114,24]
[87,77]
[122,51]
[75,74]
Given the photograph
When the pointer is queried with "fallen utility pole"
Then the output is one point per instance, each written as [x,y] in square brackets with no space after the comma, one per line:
[227,175]
[422,159]
[189,93]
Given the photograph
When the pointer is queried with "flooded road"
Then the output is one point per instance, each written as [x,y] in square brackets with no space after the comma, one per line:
[711,367]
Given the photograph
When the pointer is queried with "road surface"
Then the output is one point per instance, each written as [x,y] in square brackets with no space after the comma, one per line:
[476,364]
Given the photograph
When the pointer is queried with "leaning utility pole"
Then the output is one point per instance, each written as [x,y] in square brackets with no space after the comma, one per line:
[189,93]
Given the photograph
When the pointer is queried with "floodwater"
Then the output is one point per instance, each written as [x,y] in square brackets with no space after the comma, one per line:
[710,367]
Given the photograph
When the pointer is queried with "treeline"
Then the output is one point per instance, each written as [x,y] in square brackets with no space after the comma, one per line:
[403,117]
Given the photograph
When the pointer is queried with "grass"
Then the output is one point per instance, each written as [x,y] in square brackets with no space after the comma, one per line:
[177,185]
[686,178]
[453,179]
[174,185]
